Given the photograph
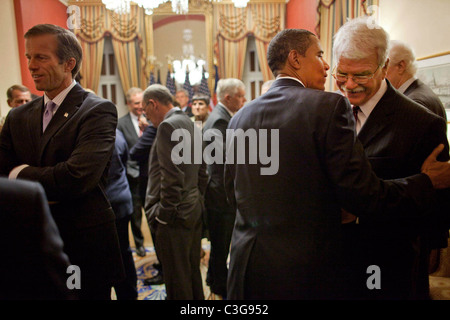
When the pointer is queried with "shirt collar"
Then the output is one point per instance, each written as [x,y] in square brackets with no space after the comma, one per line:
[368,107]
[228,110]
[169,113]
[286,77]
[60,97]
[406,84]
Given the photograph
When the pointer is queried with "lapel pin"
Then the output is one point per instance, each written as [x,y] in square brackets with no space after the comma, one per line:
[66,114]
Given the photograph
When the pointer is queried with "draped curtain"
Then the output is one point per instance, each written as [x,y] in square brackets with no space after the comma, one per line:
[332,15]
[234,25]
[126,31]
[91,35]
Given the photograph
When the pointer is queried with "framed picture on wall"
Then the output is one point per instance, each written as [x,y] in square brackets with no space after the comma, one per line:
[435,72]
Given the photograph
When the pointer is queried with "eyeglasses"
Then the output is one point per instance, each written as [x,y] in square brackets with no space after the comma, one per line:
[359,79]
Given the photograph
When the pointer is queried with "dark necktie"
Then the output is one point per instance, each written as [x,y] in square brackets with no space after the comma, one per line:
[355,112]
[48,114]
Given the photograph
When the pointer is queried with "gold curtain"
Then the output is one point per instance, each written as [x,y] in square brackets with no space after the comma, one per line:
[91,36]
[231,26]
[267,22]
[127,45]
[332,15]
[126,33]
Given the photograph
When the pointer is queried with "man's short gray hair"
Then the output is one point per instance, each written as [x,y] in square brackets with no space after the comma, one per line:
[358,39]
[228,86]
[131,92]
[399,51]
[159,93]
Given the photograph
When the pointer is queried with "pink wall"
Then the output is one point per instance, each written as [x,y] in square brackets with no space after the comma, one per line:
[29,13]
[301,14]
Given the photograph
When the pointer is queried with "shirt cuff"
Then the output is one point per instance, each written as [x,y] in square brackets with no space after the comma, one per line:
[160,221]
[15,172]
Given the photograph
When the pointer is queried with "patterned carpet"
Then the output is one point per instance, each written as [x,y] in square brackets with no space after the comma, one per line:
[145,269]
[439,280]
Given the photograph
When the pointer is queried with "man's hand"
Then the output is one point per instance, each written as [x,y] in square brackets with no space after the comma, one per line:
[439,172]
[143,123]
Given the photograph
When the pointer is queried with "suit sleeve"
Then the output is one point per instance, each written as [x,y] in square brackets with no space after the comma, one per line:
[141,149]
[358,189]
[85,167]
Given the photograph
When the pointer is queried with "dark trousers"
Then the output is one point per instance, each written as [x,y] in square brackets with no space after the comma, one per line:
[126,289]
[220,227]
[178,250]
[136,217]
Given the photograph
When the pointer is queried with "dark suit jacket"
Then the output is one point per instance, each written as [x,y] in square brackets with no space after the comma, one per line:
[33,265]
[215,196]
[70,159]
[174,191]
[125,125]
[141,150]
[286,239]
[117,189]
[421,93]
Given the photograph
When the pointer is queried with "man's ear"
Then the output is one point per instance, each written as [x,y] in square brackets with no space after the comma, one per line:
[293,59]
[401,67]
[70,64]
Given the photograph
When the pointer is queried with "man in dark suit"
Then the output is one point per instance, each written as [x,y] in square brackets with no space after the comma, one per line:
[397,135]
[286,238]
[220,215]
[129,124]
[174,202]
[33,265]
[401,73]
[68,154]
[140,153]
[119,194]
[182,97]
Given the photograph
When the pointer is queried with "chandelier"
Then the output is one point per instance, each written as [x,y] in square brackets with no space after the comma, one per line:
[178,6]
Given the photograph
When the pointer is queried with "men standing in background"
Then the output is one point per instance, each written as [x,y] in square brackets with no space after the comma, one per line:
[182,97]
[18,95]
[397,135]
[174,201]
[64,140]
[401,73]
[129,125]
[220,214]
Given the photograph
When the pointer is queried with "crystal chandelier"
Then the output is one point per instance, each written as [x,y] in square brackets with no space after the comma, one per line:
[178,6]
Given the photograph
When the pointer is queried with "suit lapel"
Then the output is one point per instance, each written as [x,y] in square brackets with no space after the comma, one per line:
[380,117]
[64,113]
[129,126]
[35,125]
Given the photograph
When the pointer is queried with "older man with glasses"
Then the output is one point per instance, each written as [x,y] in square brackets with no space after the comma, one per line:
[397,134]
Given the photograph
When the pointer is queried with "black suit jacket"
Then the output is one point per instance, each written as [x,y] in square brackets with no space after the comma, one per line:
[421,93]
[33,264]
[70,159]
[291,221]
[174,191]
[141,150]
[397,138]
[215,196]
[118,189]
[125,125]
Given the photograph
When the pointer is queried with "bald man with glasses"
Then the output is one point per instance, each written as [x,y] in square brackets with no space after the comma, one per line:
[397,135]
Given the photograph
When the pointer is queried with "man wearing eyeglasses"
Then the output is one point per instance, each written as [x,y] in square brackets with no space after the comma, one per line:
[397,135]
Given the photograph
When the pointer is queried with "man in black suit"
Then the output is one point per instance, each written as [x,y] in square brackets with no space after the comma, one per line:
[220,215]
[65,140]
[182,97]
[397,135]
[286,238]
[401,73]
[33,264]
[174,203]
[129,124]
[119,194]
